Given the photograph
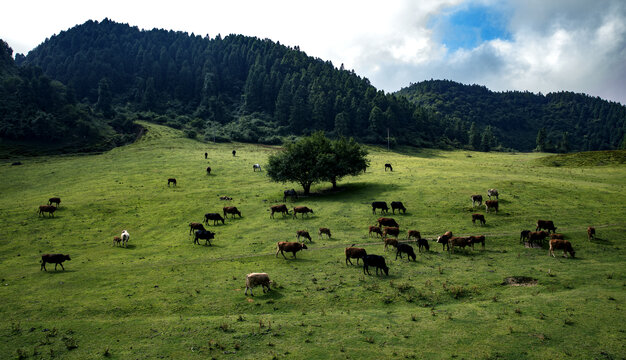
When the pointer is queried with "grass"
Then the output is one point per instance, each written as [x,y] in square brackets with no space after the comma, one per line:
[164,297]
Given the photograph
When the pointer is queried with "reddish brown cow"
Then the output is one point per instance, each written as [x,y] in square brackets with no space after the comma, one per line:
[195,226]
[292,247]
[324,231]
[545,224]
[491,204]
[413,234]
[375,229]
[566,246]
[117,241]
[480,239]
[591,233]
[304,234]
[231,210]
[393,231]
[387,222]
[557,236]
[354,253]
[54,200]
[392,242]
[459,241]
[301,210]
[537,236]
[282,208]
[50,209]
[479,217]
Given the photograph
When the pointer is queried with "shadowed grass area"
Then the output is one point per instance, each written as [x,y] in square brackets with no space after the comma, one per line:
[165,297]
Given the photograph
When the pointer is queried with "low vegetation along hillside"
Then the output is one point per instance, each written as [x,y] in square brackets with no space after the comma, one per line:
[164,297]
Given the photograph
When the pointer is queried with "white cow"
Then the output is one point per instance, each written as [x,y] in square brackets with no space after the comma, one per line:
[256,279]
[492,192]
[125,237]
[255,167]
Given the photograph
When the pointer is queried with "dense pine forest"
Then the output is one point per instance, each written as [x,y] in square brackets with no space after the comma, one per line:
[255,90]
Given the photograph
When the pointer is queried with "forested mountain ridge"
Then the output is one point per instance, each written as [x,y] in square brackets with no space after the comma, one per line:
[571,122]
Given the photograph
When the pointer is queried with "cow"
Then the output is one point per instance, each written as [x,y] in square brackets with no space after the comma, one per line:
[195,226]
[256,167]
[376,261]
[206,156]
[208,170]
[479,217]
[478,239]
[545,224]
[387,222]
[54,200]
[399,206]
[205,235]
[379,205]
[444,240]
[231,210]
[566,246]
[375,229]
[393,231]
[171,181]
[50,209]
[256,279]
[388,166]
[292,247]
[423,243]
[56,259]
[390,242]
[213,216]
[117,240]
[125,237]
[457,241]
[323,231]
[537,236]
[477,199]
[282,208]
[304,234]
[301,210]
[591,233]
[493,192]
[557,236]
[225,197]
[354,253]
[491,204]
[413,234]
[405,248]
[524,235]
[234,152]
[291,193]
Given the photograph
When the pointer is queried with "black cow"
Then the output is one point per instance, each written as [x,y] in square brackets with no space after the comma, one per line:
[379,205]
[399,206]
[405,248]
[423,243]
[376,261]
[208,170]
[292,193]
[56,259]
[205,235]
[213,216]
[388,166]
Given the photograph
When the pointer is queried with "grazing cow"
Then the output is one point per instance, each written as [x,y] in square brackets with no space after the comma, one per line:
[125,237]
[291,193]
[491,204]
[117,240]
[444,240]
[205,235]
[354,253]
[279,208]
[225,197]
[388,166]
[566,246]
[304,234]
[493,192]
[256,279]
[292,247]
[545,224]
[387,222]
[375,229]
[413,234]
[50,209]
[423,243]
[206,156]
[323,231]
[376,261]
[54,200]
[477,240]
[234,152]
[479,217]
[231,210]
[208,170]
[557,236]
[591,233]
[477,199]
[524,235]
[301,210]
[56,259]
[458,241]
[171,181]
[399,206]
[379,205]
[213,216]
[390,242]
[256,167]
[195,226]
[537,236]
[405,248]
[393,231]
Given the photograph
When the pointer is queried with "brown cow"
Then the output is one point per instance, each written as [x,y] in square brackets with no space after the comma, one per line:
[195,226]
[557,236]
[392,242]
[304,234]
[537,236]
[54,200]
[444,240]
[479,239]
[171,181]
[479,217]
[545,224]
[591,233]
[566,246]
[491,204]
[231,210]
[301,210]
[323,231]
[414,234]
[457,241]
[393,231]
[292,247]
[375,229]
[354,253]
[282,208]
[50,209]
[387,222]
[56,259]
[117,240]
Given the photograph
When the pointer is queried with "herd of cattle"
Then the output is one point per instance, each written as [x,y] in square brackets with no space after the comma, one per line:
[387,229]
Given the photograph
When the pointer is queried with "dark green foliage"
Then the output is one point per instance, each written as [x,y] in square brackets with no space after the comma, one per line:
[541,140]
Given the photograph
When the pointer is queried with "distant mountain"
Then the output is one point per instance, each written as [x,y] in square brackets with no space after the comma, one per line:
[575,121]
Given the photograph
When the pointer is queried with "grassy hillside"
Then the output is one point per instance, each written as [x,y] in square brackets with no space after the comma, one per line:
[585,159]
[164,297]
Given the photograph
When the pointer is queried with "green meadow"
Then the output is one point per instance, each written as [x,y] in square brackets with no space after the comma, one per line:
[164,297]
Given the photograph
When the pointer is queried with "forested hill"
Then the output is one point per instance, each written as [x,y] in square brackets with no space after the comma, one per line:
[232,88]
[571,121]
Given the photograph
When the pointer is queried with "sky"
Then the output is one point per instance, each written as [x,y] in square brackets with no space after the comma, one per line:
[527,45]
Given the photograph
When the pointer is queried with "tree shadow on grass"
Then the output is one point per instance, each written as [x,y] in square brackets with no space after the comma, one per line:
[598,240]
[351,190]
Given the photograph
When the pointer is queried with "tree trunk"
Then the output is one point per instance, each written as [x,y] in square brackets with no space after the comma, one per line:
[307,188]
[334,182]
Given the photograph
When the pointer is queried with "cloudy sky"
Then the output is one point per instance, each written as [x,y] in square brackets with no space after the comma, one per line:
[534,45]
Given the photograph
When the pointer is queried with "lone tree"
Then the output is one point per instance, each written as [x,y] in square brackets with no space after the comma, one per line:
[314,159]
